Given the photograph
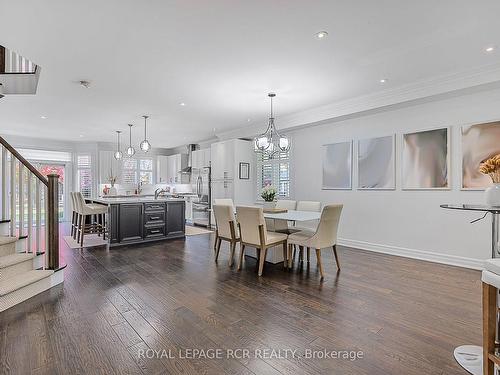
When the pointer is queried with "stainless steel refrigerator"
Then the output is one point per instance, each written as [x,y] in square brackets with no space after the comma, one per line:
[202,206]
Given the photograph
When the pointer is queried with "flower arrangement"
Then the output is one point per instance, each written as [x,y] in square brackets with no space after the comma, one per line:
[112,180]
[491,167]
[268,193]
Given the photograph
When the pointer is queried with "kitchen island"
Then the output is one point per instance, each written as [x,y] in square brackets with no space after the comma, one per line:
[133,220]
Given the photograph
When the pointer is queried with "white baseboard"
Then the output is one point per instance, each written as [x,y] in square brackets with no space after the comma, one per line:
[453,260]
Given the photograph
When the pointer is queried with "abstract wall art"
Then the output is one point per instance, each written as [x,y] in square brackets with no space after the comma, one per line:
[376,163]
[337,166]
[479,143]
[426,160]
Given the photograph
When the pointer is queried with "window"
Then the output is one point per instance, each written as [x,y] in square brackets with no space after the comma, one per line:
[137,170]
[275,172]
[84,175]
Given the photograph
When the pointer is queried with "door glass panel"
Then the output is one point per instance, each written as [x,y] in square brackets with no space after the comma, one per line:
[46,169]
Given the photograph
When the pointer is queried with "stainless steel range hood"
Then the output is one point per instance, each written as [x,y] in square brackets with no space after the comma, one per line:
[190,148]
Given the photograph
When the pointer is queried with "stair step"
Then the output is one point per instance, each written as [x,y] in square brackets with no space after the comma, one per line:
[22,280]
[4,240]
[7,245]
[12,259]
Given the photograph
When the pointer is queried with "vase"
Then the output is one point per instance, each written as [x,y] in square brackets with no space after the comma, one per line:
[271,204]
[112,191]
[493,195]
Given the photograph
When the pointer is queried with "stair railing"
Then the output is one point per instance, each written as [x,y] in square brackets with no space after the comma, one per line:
[13,63]
[27,198]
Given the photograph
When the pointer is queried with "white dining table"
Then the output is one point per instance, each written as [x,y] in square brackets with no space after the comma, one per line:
[294,215]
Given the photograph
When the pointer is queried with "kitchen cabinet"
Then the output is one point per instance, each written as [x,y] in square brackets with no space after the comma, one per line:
[222,156]
[162,169]
[175,218]
[131,222]
[200,158]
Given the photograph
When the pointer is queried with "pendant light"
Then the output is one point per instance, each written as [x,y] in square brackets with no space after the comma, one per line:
[130,149]
[118,154]
[145,145]
[271,141]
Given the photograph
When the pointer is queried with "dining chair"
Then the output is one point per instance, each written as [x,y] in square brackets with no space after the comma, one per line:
[253,233]
[221,202]
[276,225]
[324,236]
[226,229]
[310,206]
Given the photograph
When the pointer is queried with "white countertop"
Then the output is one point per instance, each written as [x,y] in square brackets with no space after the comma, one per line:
[133,199]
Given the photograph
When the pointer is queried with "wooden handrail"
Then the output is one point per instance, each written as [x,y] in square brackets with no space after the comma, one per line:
[2,59]
[26,163]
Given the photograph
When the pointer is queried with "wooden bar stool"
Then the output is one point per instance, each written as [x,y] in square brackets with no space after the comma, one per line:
[491,284]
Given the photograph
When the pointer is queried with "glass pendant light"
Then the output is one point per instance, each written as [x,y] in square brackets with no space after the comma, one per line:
[271,141]
[130,149]
[145,145]
[118,154]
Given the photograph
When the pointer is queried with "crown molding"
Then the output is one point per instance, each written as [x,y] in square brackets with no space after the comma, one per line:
[442,87]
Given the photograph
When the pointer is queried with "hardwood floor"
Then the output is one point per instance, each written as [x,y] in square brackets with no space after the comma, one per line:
[406,316]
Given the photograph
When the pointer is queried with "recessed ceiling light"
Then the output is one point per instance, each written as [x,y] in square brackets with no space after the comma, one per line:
[248,120]
[182,104]
[321,35]
[490,49]
[43,117]
[81,135]
[383,80]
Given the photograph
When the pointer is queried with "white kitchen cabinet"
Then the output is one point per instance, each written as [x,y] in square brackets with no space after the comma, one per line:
[162,169]
[174,164]
[222,156]
[200,158]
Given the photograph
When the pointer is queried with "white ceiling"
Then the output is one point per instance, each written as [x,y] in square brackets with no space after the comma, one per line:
[222,58]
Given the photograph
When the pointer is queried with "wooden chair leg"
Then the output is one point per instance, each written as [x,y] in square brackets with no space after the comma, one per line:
[242,253]
[231,255]
[294,252]
[336,256]
[308,254]
[320,265]
[285,255]
[105,227]
[289,257]
[301,253]
[216,239]
[489,326]
[217,250]
[263,253]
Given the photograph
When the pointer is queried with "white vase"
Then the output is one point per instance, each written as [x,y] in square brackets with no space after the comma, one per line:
[269,204]
[493,195]
[112,191]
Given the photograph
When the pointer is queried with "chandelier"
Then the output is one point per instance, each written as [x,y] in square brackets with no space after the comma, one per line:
[271,142]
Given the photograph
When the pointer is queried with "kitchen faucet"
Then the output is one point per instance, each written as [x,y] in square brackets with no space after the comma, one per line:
[158,192]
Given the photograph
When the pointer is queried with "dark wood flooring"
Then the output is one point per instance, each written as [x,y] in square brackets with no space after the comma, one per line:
[406,316]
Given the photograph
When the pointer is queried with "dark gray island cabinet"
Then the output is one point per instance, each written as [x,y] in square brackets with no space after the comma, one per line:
[136,220]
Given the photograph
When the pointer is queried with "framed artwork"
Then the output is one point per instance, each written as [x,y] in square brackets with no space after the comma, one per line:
[244,172]
[479,142]
[337,166]
[377,163]
[426,160]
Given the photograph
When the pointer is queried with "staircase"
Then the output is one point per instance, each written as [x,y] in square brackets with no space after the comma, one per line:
[29,229]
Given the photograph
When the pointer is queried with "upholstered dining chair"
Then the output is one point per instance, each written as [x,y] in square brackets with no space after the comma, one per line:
[226,229]
[253,233]
[324,236]
[221,202]
[281,226]
[311,206]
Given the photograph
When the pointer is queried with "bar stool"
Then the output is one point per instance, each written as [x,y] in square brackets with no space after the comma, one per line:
[97,214]
[74,215]
[491,284]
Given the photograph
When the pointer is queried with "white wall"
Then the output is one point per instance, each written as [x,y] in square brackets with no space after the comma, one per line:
[409,223]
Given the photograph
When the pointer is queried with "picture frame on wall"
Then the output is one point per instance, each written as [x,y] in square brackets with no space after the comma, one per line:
[426,160]
[337,166]
[478,143]
[377,163]
[244,171]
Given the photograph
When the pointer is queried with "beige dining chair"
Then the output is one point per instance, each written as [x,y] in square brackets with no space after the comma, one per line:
[276,225]
[310,206]
[226,229]
[324,236]
[221,202]
[253,233]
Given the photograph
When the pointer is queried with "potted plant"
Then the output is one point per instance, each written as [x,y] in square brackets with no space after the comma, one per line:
[268,193]
[491,167]
[112,180]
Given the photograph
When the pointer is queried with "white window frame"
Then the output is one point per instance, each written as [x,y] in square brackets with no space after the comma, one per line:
[86,168]
[136,170]
[274,163]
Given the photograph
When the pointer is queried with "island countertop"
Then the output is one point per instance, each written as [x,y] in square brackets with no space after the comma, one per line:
[146,199]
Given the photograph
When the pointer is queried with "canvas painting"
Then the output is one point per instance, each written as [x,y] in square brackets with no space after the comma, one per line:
[337,166]
[479,143]
[426,160]
[376,163]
